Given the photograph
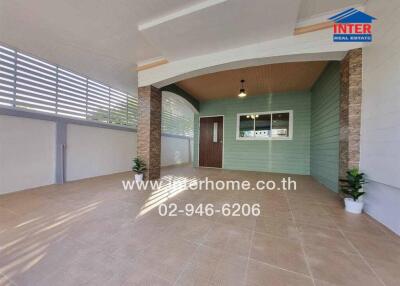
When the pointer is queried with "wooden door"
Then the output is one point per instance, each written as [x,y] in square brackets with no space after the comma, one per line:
[211,140]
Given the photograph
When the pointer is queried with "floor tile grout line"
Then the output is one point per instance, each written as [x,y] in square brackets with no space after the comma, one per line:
[276,236]
[8,279]
[280,268]
[186,265]
[363,258]
[224,251]
[365,234]
[11,211]
[189,263]
[301,242]
[249,255]
[219,260]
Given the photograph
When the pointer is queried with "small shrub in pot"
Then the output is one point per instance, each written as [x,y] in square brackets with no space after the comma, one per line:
[139,166]
[352,188]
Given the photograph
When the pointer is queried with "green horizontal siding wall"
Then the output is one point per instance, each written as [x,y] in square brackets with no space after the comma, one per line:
[325,127]
[281,156]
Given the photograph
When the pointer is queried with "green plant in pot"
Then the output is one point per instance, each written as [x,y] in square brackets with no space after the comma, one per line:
[352,188]
[139,166]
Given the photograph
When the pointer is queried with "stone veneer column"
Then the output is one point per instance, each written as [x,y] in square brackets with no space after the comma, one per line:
[350,111]
[149,130]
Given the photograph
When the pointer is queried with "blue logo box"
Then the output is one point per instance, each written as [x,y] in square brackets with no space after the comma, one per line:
[352,37]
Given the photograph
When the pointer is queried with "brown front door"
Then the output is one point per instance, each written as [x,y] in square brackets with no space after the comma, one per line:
[211,137]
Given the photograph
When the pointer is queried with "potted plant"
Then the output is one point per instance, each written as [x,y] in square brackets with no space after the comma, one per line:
[353,190]
[139,166]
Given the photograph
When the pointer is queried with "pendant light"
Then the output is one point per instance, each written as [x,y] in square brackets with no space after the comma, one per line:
[242,92]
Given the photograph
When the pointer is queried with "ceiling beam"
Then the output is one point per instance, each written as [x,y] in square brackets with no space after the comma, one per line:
[152,64]
[313,28]
[316,46]
[183,12]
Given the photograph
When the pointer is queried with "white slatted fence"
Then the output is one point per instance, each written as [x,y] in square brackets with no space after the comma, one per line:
[29,83]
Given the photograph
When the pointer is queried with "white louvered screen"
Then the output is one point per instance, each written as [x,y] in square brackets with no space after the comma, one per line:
[98,101]
[118,107]
[35,84]
[177,118]
[72,90]
[132,110]
[29,83]
[7,76]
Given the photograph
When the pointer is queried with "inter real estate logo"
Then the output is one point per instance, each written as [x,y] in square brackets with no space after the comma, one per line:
[352,25]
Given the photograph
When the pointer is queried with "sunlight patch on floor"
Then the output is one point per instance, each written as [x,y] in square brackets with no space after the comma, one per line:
[174,186]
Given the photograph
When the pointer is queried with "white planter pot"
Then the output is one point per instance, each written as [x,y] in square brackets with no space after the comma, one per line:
[352,206]
[138,177]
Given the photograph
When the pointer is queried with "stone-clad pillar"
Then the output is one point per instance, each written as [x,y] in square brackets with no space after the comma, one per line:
[149,130]
[350,111]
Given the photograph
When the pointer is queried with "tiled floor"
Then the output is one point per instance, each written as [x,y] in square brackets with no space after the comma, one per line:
[91,232]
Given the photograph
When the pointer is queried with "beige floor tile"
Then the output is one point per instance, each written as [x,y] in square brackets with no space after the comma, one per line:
[277,227]
[283,253]
[4,281]
[8,219]
[129,241]
[167,259]
[339,268]
[324,283]
[390,234]
[235,240]
[361,224]
[89,268]
[191,279]
[91,232]
[325,238]
[248,222]
[230,270]
[375,247]
[201,267]
[260,274]
[144,278]
[277,214]
[387,271]
[119,271]
[97,231]
[193,228]
[32,262]
[316,220]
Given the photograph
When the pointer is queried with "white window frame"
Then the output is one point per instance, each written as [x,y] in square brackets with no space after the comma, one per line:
[290,137]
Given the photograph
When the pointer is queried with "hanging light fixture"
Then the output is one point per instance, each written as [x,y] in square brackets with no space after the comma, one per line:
[242,92]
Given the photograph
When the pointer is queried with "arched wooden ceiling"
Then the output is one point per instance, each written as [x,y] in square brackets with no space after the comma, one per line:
[273,78]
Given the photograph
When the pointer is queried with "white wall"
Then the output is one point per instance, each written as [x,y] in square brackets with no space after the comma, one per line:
[93,151]
[27,153]
[28,148]
[174,151]
[380,126]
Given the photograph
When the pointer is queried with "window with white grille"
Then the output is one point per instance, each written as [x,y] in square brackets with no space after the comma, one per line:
[32,84]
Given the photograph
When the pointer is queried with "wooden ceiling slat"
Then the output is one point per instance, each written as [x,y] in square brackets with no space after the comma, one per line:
[284,77]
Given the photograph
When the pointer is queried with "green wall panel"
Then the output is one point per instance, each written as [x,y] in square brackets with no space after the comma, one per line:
[281,156]
[325,127]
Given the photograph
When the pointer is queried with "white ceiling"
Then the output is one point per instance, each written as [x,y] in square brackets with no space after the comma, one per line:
[223,24]
[101,38]
[310,8]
